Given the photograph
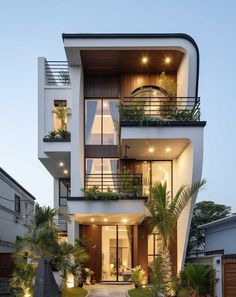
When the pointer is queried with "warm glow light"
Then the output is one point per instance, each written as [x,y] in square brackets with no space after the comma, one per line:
[151,149]
[105,219]
[144,60]
[70,281]
[65,171]
[27,294]
[125,220]
[107,228]
[61,164]
[167,60]
[92,219]
[160,168]
[105,104]
[168,149]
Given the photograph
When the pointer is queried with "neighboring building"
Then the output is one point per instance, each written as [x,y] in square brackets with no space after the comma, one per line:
[132,124]
[16,211]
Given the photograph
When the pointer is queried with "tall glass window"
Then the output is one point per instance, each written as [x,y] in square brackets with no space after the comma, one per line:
[64,191]
[101,122]
[101,173]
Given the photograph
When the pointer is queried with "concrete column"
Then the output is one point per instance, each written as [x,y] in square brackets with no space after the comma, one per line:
[77,131]
[71,231]
[217,265]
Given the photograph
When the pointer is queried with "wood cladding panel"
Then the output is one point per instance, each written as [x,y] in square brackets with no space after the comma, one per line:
[229,282]
[93,238]
[130,82]
[143,245]
[102,151]
[100,86]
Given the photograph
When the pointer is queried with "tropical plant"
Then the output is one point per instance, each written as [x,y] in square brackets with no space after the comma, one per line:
[133,113]
[164,213]
[64,134]
[168,84]
[64,77]
[138,276]
[157,277]
[203,213]
[61,113]
[52,134]
[197,278]
[93,193]
[177,114]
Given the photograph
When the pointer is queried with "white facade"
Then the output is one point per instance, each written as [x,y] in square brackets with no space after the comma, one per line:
[15,216]
[186,141]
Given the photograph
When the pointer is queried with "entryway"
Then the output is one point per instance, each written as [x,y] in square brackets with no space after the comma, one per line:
[116,253]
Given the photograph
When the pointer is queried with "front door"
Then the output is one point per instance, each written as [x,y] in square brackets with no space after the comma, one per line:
[116,253]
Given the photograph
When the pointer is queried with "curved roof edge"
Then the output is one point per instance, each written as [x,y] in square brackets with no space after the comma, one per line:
[140,35]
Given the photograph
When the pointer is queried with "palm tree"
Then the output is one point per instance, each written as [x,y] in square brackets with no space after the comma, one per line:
[164,213]
[61,113]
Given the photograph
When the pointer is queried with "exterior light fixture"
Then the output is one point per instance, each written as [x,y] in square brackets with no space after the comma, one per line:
[61,164]
[125,220]
[151,149]
[144,60]
[168,149]
[65,171]
[167,60]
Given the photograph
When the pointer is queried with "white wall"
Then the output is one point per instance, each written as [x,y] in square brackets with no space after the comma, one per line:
[13,224]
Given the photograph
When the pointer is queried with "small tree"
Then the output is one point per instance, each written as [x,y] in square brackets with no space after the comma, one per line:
[164,213]
[61,113]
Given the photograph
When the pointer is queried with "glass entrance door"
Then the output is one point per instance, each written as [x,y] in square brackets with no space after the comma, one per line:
[116,253]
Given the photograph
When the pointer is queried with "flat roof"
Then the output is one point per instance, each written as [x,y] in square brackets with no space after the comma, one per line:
[16,183]
[218,222]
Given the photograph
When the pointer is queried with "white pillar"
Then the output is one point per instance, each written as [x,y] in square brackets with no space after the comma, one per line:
[71,231]
[217,265]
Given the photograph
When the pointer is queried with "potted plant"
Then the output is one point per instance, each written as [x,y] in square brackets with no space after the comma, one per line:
[138,276]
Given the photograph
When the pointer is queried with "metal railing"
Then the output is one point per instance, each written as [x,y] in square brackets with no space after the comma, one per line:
[141,109]
[122,183]
[57,73]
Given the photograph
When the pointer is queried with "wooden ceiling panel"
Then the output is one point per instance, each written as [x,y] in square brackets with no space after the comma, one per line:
[129,61]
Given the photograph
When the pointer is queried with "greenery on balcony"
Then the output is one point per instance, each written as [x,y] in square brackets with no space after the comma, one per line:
[61,135]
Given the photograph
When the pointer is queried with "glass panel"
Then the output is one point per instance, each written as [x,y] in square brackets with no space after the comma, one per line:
[63,188]
[110,122]
[150,244]
[93,172]
[124,253]
[109,251]
[93,116]
[161,172]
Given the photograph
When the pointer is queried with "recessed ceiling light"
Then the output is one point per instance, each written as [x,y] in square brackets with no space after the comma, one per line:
[167,60]
[105,219]
[124,220]
[168,149]
[61,164]
[151,149]
[144,60]
[92,219]
[65,171]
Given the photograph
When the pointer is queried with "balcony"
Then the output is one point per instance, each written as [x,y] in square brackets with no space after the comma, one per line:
[158,111]
[113,186]
[57,73]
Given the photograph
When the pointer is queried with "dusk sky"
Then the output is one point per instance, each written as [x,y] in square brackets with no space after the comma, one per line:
[33,28]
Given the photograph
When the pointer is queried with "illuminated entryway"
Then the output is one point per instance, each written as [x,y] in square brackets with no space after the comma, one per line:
[116,253]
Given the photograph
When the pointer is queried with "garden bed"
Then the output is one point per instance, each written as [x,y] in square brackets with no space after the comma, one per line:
[74,292]
[140,292]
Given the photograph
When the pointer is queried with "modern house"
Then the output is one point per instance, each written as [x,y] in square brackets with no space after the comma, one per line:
[16,212]
[130,104]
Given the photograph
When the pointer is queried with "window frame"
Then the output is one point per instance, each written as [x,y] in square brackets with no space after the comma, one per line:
[17,204]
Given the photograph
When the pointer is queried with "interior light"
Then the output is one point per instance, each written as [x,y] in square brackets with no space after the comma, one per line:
[124,220]
[144,60]
[160,168]
[92,219]
[167,60]
[107,228]
[105,104]
[65,171]
[151,149]
[168,149]
[61,164]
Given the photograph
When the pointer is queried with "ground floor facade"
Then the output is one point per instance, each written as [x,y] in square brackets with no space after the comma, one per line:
[115,249]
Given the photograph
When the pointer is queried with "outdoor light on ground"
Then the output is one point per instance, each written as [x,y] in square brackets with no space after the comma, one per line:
[70,281]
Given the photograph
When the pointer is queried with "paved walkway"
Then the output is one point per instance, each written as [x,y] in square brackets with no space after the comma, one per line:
[101,290]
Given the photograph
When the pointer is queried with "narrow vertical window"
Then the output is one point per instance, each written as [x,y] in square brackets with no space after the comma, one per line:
[17,203]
